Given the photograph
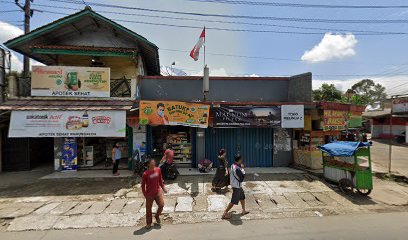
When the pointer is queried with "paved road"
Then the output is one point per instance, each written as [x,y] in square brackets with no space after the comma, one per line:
[368,226]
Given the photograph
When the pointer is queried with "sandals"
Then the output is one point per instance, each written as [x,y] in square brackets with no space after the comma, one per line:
[226,216]
[244,213]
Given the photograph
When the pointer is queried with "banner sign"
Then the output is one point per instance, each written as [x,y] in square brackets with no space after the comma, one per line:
[67,124]
[174,113]
[247,116]
[70,81]
[400,106]
[334,120]
[69,161]
[355,120]
[293,116]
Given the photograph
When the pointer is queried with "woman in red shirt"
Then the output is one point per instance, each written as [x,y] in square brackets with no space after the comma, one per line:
[152,186]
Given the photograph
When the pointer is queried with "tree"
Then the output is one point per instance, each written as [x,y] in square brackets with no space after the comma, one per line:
[366,91]
[327,93]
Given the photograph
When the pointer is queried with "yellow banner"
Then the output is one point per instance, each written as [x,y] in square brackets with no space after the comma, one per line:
[174,113]
[334,120]
[70,81]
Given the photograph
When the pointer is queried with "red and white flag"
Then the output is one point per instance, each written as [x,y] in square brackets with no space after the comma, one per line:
[196,50]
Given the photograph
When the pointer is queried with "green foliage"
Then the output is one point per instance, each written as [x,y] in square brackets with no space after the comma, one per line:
[365,92]
[327,93]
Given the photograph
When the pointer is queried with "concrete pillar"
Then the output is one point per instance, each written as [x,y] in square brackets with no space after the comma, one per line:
[1,151]
[406,132]
[12,85]
[200,144]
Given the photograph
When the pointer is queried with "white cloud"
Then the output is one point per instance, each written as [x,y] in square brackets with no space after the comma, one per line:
[7,32]
[332,46]
[217,72]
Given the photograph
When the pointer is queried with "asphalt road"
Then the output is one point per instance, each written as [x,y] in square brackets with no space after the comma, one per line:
[369,226]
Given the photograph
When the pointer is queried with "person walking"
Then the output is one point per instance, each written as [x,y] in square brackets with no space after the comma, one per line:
[153,188]
[116,156]
[237,175]
[221,178]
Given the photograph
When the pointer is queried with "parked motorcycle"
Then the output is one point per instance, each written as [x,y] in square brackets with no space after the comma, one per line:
[169,171]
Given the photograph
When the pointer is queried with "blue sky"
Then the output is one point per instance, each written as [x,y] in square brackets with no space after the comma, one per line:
[339,59]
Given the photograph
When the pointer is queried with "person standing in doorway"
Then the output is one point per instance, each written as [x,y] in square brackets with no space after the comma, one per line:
[237,175]
[152,188]
[116,156]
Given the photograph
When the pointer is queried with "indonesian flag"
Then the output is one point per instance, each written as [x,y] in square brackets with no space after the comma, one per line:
[196,50]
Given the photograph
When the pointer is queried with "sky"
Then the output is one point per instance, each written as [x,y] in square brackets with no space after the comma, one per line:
[335,53]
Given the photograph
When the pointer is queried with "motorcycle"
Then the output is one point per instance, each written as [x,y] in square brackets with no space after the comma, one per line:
[169,171]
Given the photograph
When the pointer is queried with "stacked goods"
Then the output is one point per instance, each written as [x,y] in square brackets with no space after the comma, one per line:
[181,146]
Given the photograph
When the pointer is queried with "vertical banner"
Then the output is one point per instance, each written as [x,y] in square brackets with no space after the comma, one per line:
[69,161]
[293,116]
[334,120]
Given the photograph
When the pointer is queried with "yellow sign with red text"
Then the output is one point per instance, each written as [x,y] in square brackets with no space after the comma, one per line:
[174,113]
[334,120]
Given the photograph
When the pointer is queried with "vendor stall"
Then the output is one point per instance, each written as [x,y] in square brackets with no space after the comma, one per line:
[349,165]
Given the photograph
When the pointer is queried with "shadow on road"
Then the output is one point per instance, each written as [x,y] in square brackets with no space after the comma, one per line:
[143,230]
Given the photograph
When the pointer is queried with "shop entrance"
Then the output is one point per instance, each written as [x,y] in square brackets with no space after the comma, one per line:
[254,144]
[180,137]
[21,154]
[96,153]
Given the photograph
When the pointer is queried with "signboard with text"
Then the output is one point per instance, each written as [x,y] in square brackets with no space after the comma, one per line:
[69,160]
[67,124]
[174,113]
[400,106]
[334,120]
[68,81]
[246,116]
[293,116]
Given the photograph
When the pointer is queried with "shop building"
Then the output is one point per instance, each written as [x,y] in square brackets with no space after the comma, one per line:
[78,105]
[244,117]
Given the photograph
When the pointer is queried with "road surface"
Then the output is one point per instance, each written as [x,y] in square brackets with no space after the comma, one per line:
[368,226]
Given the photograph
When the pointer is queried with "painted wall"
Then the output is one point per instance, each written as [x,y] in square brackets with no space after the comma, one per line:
[220,90]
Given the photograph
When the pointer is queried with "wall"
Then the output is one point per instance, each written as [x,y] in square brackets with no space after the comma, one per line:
[300,88]
[120,66]
[221,89]
[282,144]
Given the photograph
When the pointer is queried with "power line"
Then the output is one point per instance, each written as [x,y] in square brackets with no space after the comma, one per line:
[299,5]
[269,18]
[355,31]
[9,11]
[235,30]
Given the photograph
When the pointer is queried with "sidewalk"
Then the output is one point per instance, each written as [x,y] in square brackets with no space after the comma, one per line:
[117,202]
[380,157]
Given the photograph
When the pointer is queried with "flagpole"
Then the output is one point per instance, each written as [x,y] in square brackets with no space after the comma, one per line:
[204,45]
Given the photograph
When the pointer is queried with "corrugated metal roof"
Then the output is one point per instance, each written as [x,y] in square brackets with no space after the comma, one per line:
[33,104]
[376,114]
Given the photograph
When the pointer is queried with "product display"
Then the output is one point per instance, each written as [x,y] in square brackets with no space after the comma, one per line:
[181,146]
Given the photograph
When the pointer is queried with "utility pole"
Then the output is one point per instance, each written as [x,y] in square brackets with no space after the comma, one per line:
[28,13]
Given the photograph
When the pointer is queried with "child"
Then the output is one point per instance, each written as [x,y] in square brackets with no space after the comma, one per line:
[237,175]
[152,186]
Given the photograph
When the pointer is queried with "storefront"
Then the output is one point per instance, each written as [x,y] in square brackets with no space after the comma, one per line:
[324,123]
[175,123]
[81,139]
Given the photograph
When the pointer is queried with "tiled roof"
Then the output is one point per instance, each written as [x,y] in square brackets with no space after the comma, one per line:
[68,104]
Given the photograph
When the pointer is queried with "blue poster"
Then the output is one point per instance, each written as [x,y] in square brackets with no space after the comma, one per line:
[69,155]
